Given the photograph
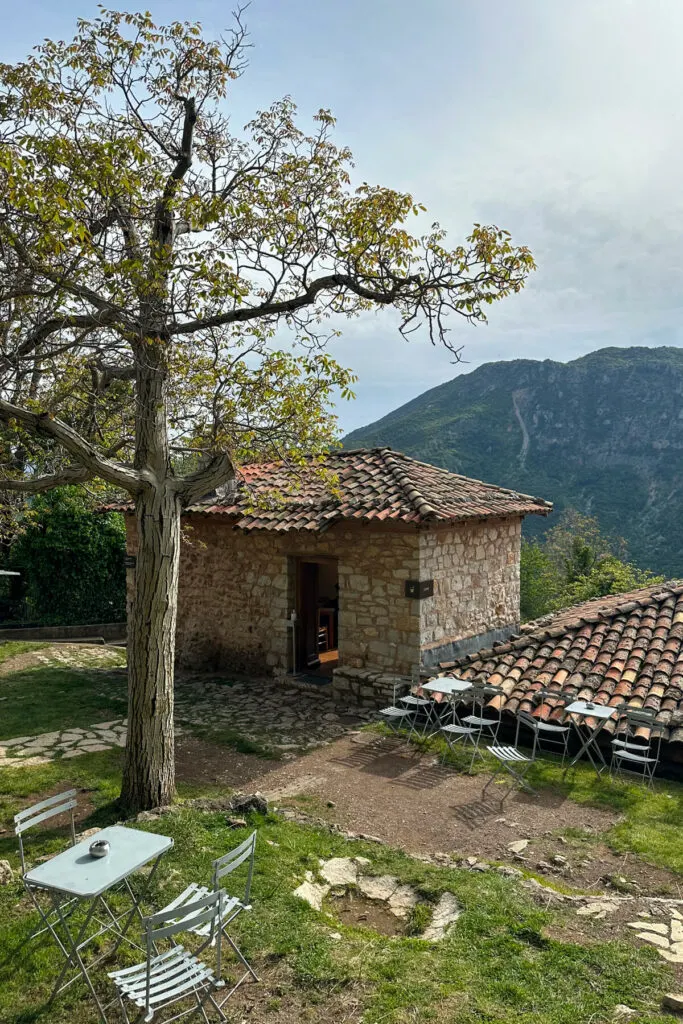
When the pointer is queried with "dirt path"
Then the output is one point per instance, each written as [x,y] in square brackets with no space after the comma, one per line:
[406,799]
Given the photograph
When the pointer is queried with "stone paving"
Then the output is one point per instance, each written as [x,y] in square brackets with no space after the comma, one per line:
[66,743]
[666,935]
[267,713]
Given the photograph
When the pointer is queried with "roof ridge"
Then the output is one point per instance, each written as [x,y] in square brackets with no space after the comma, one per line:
[460,476]
[416,500]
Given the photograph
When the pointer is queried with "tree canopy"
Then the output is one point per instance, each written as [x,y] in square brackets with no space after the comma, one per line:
[168,290]
[575,562]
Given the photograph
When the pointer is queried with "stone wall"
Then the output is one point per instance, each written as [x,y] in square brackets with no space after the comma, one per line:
[475,568]
[237,591]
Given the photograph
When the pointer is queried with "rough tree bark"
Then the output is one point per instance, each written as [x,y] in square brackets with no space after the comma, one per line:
[149,772]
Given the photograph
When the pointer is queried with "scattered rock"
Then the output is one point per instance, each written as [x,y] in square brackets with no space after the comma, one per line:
[340,871]
[401,898]
[544,866]
[235,822]
[656,940]
[6,873]
[481,866]
[471,861]
[559,860]
[252,802]
[623,1012]
[88,832]
[651,926]
[518,846]
[335,935]
[673,1002]
[446,912]
[598,908]
[509,872]
[312,893]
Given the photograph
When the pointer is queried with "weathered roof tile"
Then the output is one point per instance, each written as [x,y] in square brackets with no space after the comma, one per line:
[373,483]
[621,648]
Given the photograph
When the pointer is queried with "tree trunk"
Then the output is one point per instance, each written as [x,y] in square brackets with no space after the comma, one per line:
[149,770]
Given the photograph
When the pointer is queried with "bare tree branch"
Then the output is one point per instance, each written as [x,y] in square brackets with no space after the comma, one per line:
[45,482]
[219,470]
[68,438]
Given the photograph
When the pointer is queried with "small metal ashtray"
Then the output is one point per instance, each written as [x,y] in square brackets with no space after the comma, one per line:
[589,706]
[100,848]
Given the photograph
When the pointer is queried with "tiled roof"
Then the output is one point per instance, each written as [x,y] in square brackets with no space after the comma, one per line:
[621,648]
[373,484]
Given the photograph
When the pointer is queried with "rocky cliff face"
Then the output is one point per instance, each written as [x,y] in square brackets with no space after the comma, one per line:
[603,434]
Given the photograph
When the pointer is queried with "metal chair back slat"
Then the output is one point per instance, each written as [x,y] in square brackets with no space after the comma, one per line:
[230,861]
[43,811]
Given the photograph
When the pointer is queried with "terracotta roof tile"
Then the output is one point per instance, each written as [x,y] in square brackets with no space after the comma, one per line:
[621,648]
[374,483]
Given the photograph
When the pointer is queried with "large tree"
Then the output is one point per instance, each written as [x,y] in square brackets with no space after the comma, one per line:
[166,288]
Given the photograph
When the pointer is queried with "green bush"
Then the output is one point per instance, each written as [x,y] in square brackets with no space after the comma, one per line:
[575,562]
[71,560]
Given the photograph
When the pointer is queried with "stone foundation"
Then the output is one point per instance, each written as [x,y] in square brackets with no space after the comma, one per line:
[366,688]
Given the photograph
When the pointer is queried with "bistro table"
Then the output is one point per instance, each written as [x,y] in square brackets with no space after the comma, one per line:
[76,874]
[449,686]
[585,709]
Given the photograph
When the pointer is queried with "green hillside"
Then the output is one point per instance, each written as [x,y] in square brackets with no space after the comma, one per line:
[603,434]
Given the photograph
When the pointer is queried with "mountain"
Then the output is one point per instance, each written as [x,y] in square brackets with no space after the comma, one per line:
[603,434]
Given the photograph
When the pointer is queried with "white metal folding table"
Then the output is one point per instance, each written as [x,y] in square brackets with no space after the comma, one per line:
[449,686]
[585,709]
[75,873]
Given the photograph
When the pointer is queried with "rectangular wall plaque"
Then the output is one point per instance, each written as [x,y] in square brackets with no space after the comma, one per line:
[129,561]
[417,589]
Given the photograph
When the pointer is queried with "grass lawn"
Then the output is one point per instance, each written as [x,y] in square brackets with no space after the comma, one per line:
[501,962]
[60,692]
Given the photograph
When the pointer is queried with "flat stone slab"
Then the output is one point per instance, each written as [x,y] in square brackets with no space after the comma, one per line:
[340,871]
[446,912]
[651,926]
[401,898]
[313,893]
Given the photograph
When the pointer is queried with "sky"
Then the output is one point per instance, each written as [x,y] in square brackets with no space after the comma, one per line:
[561,122]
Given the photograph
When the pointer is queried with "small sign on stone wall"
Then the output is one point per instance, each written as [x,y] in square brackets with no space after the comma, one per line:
[417,589]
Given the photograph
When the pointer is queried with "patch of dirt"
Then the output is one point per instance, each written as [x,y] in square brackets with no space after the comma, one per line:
[204,763]
[277,999]
[23,662]
[352,908]
[591,865]
[404,797]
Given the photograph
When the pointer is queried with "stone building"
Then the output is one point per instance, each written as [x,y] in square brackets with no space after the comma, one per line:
[393,564]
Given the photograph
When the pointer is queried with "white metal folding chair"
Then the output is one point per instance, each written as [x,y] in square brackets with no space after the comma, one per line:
[396,715]
[166,978]
[512,760]
[631,756]
[516,764]
[411,701]
[554,735]
[479,723]
[63,803]
[231,906]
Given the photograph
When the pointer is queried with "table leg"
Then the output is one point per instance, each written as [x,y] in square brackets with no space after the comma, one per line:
[136,903]
[75,958]
[591,743]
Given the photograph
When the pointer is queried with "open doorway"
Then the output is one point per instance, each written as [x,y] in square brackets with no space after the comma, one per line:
[316,643]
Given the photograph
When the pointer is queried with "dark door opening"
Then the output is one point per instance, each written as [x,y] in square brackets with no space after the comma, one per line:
[317,603]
